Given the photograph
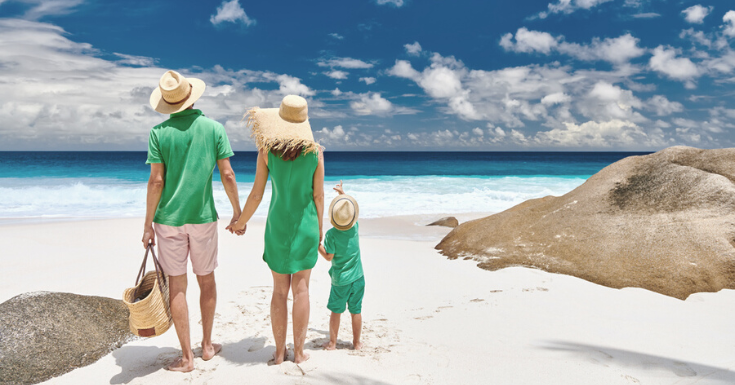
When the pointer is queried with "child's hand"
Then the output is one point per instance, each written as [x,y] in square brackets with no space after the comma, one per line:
[338,188]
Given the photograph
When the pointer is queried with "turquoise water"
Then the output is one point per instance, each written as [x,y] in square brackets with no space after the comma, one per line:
[113,184]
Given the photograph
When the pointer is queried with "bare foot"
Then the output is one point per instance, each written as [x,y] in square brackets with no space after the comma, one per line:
[274,361]
[300,358]
[211,351]
[357,345]
[329,345]
[181,366]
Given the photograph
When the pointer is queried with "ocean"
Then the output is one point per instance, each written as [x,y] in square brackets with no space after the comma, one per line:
[81,185]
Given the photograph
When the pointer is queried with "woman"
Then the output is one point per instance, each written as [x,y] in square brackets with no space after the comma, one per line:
[293,231]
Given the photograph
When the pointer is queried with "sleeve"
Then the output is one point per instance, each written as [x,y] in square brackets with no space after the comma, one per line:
[154,150]
[329,242]
[224,150]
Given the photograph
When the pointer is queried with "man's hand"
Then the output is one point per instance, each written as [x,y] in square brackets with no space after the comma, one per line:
[149,236]
[233,228]
[338,188]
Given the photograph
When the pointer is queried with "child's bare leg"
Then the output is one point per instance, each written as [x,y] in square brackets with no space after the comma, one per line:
[333,331]
[356,330]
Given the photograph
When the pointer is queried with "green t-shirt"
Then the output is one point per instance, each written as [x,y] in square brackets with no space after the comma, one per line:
[345,245]
[189,145]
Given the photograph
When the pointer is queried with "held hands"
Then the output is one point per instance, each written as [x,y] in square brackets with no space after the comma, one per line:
[149,236]
[236,229]
[338,188]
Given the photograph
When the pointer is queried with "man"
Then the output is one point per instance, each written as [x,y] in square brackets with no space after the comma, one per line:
[182,152]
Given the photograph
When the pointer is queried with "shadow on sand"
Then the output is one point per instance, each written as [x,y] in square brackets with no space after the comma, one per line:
[625,358]
[140,361]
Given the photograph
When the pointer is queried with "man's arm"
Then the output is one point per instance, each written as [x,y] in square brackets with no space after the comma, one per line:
[227,174]
[155,188]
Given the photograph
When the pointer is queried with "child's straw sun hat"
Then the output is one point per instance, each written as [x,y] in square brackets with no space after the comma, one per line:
[282,128]
[343,212]
[175,93]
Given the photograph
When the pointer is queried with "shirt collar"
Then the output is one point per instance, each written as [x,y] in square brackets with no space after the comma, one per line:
[193,111]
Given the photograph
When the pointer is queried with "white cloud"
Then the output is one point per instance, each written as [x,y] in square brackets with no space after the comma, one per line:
[617,50]
[478,131]
[368,80]
[696,36]
[335,134]
[336,92]
[613,133]
[395,3]
[82,98]
[696,14]
[337,36]
[729,26]
[336,74]
[42,8]
[344,62]
[646,15]
[569,6]
[232,12]
[664,61]
[413,49]
[403,69]
[529,41]
[372,104]
[556,98]
[663,106]
[135,60]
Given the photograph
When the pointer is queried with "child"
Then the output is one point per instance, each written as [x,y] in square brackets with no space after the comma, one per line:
[342,248]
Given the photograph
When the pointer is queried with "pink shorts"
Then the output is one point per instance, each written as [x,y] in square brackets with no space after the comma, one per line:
[175,244]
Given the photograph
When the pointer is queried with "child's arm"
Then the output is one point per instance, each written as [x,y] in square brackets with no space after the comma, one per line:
[338,188]
[324,253]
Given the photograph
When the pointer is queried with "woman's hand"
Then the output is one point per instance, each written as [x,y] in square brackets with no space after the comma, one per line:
[236,229]
[338,188]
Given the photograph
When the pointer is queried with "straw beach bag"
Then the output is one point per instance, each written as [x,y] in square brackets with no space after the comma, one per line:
[150,314]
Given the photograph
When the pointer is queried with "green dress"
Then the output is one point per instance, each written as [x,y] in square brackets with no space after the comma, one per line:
[292,228]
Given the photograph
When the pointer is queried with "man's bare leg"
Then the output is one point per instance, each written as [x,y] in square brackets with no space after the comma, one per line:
[279,314]
[208,303]
[356,331]
[301,308]
[333,331]
[180,314]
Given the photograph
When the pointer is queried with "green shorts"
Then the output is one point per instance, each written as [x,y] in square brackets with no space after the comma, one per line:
[347,295]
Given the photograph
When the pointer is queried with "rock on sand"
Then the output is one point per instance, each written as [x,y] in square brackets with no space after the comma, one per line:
[664,222]
[43,335]
[446,222]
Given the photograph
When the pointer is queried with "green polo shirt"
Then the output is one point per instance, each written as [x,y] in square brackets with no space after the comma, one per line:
[346,264]
[189,145]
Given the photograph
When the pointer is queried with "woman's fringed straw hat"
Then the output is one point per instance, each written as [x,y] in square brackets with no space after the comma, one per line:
[343,212]
[175,93]
[282,128]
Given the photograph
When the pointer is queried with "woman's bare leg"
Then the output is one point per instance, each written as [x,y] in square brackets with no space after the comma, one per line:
[301,307]
[279,314]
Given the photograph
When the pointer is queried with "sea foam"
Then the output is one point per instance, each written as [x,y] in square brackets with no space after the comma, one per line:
[377,197]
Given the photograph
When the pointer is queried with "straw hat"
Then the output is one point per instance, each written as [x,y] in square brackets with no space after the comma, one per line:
[282,128]
[176,93]
[343,212]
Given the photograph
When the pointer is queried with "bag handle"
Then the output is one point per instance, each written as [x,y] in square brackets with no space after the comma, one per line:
[157,265]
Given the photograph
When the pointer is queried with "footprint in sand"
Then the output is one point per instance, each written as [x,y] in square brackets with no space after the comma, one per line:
[477,300]
[291,369]
[259,344]
[424,317]
[631,379]
[440,308]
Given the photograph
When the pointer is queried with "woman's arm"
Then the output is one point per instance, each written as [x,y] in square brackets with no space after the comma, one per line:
[318,185]
[256,194]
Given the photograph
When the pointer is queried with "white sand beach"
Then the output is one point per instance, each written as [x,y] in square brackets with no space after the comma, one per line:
[427,319]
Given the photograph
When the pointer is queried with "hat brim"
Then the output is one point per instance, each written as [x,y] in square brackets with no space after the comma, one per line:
[160,105]
[331,212]
[272,131]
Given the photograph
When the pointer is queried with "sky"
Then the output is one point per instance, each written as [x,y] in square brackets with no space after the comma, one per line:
[378,75]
